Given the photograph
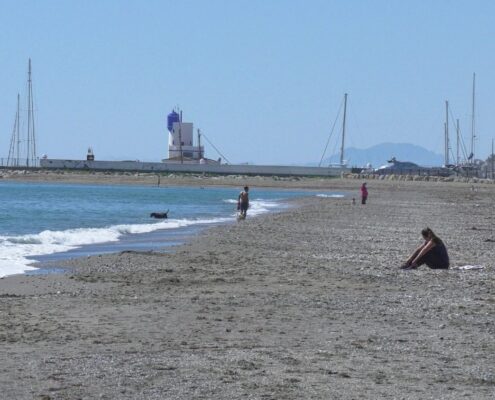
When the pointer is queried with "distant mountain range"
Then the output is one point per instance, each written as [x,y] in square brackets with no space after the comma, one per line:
[379,155]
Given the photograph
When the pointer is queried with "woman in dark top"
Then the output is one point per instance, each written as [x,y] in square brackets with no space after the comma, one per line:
[432,253]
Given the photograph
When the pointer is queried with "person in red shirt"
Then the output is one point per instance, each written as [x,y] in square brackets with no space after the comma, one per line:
[364,193]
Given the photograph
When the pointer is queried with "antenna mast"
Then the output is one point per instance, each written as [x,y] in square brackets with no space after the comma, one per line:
[199,145]
[343,131]
[180,139]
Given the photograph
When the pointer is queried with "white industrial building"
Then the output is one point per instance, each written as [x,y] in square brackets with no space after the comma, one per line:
[180,139]
[181,146]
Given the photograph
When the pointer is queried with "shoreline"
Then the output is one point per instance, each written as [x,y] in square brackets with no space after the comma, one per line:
[168,240]
[304,303]
[161,240]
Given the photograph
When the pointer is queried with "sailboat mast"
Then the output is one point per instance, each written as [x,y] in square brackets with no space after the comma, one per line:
[18,133]
[31,141]
[29,116]
[473,127]
[13,159]
[343,131]
[493,161]
[457,142]
[446,132]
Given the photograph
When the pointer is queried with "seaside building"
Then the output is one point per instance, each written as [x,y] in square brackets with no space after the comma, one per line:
[181,146]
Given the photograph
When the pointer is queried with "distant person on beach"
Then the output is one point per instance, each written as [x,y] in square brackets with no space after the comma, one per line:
[243,202]
[432,253]
[364,193]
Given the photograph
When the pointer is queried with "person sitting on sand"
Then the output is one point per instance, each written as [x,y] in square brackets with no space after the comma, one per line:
[243,202]
[432,253]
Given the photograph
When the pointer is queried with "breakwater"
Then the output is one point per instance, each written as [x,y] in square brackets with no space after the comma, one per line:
[221,169]
[417,178]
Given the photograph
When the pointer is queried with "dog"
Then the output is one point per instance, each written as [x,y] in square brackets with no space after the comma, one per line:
[159,215]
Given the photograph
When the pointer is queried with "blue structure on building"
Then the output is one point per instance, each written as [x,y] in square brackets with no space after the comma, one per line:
[171,118]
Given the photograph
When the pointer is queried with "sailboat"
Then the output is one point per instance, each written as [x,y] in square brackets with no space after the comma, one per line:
[469,167]
[16,158]
[342,163]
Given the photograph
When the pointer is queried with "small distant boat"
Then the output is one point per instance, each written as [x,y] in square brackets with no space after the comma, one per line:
[409,168]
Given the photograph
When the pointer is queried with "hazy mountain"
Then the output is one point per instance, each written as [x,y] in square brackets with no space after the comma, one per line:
[379,154]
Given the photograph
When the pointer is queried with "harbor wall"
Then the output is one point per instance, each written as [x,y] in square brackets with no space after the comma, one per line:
[225,169]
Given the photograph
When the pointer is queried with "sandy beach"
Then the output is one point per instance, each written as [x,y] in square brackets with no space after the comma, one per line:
[308,303]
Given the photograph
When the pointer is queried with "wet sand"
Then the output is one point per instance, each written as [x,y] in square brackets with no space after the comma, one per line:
[303,304]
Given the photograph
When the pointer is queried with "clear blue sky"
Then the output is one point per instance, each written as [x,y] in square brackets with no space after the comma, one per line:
[263,79]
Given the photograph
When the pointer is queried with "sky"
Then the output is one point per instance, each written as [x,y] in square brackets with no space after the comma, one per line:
[263,79]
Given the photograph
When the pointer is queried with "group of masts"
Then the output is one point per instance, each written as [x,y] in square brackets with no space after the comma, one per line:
[469,159]
[22,151]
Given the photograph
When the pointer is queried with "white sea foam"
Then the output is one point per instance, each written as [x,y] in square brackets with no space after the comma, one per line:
[334,196]
[14,250]
[257,206]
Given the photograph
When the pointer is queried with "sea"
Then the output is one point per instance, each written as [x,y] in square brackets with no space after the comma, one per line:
[45,222]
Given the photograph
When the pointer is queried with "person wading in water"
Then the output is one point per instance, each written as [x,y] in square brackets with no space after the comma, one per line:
[243,202]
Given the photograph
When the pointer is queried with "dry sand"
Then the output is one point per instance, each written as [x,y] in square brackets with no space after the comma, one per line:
[304,304]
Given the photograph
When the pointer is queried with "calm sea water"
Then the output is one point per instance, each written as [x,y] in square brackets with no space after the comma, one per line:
[43,221]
